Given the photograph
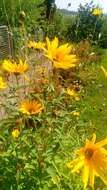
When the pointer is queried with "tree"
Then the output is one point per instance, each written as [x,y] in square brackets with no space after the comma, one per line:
[50,7]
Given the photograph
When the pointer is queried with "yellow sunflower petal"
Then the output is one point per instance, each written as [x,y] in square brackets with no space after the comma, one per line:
[101,143]
[104,151]
[101,175]
[93,138]
[104,71]
[85,175]
[71,163]
[55,43]
[91,178]
[78,166]
[48,42]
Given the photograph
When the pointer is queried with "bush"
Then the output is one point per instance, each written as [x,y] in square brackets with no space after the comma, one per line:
[103,38]
[85,25]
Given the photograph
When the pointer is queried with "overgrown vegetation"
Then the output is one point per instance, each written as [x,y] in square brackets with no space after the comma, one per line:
[53,97]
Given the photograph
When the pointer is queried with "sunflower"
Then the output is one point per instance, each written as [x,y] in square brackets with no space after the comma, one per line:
[97,12]
[36,45]
[93,159]
[31,107]
[3,84]
[13,67]
[60,55]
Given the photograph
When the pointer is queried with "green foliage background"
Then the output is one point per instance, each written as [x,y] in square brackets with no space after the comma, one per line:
[42,14]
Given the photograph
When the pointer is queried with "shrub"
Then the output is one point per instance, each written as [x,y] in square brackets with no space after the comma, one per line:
[85,25]
[103,38]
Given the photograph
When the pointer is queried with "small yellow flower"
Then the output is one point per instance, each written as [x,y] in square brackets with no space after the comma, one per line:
[104,71]
[31,107]
[93,159]
[13,67]
[36,45]
[75,113]
[60,55]
[97,12]
[3,84]
[72,93]
[16,133]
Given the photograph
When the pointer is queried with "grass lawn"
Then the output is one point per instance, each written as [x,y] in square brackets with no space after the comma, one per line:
[94,105]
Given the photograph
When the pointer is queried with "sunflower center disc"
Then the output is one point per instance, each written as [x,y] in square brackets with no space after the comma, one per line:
[89,153]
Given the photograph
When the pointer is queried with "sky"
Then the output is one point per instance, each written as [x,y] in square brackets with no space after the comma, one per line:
[75,4]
